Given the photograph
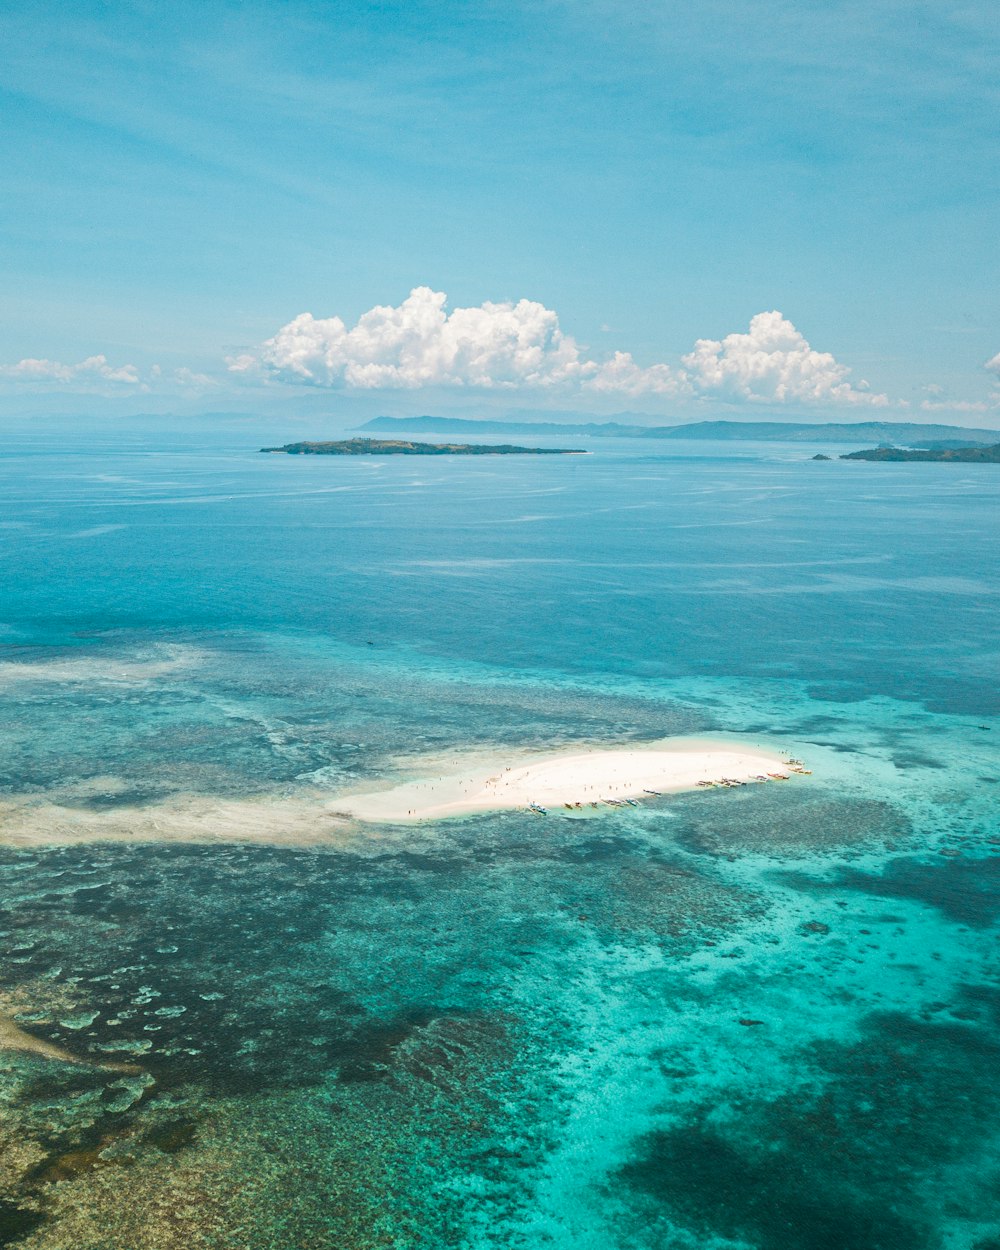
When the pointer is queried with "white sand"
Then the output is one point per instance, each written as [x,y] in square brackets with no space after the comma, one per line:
[552,781]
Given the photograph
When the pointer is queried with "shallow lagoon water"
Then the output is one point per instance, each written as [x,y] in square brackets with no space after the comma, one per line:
[753,1018]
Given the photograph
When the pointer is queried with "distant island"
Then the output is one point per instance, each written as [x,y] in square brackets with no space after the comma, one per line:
[403,447]
[963,455]
[899,433]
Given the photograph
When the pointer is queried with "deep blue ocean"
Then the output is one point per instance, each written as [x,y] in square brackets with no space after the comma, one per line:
[755,1019]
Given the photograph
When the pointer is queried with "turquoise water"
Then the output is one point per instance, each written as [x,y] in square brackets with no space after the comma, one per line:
[763,1018]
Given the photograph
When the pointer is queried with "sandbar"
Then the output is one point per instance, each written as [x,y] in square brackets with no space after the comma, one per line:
[427,787]
[575,779]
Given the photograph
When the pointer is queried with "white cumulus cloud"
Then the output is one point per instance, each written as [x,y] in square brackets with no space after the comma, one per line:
[418,344]
[994,364]
[621,375]
[773,363]
[521,345]
[190,377]
[94,368]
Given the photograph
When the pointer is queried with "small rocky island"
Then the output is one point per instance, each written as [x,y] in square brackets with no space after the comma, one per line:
[962,455]
[404,447]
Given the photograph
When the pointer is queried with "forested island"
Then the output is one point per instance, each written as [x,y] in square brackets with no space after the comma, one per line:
[404,447]
[964,455]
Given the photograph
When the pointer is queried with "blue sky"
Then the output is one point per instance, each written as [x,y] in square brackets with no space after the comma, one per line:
[180,183]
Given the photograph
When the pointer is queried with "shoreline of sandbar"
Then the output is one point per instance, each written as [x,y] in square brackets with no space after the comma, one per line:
[571,779]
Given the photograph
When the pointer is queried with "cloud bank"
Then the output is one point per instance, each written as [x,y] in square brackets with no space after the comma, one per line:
[96,376]
[939,403]
[521,346]
[94,368]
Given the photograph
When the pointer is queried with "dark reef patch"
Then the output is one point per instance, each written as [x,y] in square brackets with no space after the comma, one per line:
[218,966]
[780,819]
[236,968]
[836,692]
[17,1222]
[904,760]
[173,1136]
[965,889]
[717,1188]
[848,1162]
[108,800]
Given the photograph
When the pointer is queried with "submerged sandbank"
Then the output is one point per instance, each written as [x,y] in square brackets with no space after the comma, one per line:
[13,1037]
[576,779]
[198,819]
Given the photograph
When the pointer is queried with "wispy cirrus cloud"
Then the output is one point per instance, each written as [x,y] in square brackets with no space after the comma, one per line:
[521,345]
[959,405]
[939,401]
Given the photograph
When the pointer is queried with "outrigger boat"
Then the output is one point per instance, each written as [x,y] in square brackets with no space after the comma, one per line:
[542,811]
[633,802]
[658,793]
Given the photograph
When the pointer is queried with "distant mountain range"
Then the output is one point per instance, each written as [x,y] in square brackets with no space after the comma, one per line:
[464,425]
[897,433]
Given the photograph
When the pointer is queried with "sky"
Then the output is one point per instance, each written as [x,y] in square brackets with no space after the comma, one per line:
[758,210]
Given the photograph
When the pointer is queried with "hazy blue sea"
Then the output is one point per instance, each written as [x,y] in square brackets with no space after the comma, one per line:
[763,1019]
